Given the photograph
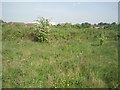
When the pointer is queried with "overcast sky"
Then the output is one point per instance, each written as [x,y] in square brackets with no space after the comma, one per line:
[60,12]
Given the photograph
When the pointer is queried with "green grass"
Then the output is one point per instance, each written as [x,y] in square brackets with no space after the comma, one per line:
[72,58]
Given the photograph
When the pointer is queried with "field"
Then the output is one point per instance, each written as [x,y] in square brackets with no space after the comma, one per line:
[72,58]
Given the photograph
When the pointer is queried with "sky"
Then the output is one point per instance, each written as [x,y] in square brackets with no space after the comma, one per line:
[60,12]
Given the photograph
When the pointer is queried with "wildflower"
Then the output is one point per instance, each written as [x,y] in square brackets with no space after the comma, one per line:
[72,78]
[68,85]
[55,87]
[63,81]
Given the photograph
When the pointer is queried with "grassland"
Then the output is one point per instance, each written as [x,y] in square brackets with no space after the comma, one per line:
[72,58]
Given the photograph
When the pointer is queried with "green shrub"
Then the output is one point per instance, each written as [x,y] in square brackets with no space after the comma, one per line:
[41,30]
[101,39]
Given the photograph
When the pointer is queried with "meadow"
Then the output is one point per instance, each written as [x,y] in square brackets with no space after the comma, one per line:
[72,58]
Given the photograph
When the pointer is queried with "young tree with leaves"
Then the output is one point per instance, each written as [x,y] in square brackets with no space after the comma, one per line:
[42,29]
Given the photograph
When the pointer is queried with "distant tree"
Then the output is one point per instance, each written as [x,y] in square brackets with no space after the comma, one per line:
[85,25]
[58,25]
[77,26]
[101,23]
[114,23]
[1,21]
[67,25]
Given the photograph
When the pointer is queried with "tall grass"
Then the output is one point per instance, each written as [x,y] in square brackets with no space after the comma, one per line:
[72,58]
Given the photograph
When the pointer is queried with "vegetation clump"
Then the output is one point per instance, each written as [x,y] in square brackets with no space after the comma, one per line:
[77,56]
[41,30]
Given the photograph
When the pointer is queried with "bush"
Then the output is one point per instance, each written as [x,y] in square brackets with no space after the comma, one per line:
[101,39]
[41,30]
[85,25]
